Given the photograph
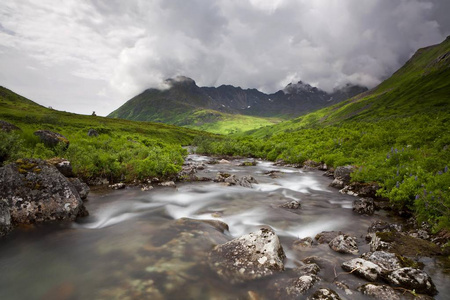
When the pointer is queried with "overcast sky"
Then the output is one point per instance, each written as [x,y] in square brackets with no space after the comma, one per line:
[83,56]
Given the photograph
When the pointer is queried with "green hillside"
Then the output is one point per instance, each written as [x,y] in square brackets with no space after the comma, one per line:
[397,134]
[123,148]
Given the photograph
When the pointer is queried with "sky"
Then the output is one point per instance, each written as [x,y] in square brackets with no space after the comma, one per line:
[94,55]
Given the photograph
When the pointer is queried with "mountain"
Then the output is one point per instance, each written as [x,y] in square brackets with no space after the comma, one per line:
[184,103]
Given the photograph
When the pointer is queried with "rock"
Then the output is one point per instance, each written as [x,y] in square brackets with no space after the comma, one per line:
[231,180]
[307,269]
[337,183]
[36,191]
[325,294]
[311,165]
[302,243]
[248,164]
[255,255]
[52,139]
[329,173]
[81,187]
[378,291]
[246,181]
[220,177]
[344,287]
[98,181]
[8,127]
[291,205]
[403,244]
[326,236]
[322,262]
[363,268]
[364,206]
[386,260]
[63,165]
[413,279]
[344,244]
[223,161]
[380,226]
[146,188]
[117,186]
[168,184]
[92,132]
[343,173]
[294,287]
[362,189]
[322,167]
[5,218]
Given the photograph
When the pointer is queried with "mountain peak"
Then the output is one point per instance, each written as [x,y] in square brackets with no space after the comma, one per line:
[299,87]
[180,81]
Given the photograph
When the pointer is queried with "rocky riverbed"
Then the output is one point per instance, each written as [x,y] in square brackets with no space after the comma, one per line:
[229,229]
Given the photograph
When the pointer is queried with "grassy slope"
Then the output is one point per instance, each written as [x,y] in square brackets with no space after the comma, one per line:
[123,148]
[398,135]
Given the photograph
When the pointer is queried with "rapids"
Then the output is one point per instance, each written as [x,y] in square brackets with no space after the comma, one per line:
[134,245]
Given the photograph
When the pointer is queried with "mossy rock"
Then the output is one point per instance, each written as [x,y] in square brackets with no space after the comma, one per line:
[406,245]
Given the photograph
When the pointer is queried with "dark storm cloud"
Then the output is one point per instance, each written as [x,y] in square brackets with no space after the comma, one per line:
[111,50]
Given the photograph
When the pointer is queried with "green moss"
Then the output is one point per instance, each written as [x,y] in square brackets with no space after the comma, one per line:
[405,245]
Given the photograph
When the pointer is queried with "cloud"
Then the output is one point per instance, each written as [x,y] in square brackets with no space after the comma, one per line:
[111,50]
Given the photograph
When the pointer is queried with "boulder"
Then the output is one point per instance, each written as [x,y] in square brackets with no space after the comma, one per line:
[5,218]
[92,132]
[364,206]
[294,204]
[36,191]
[254,255]
[52,139]
[325,294]
[362,268]
[413,279]
[293,288]
[343,173]
[378,291]
[386,260]
[344,244]
[337,183]
[326,236]
[63,165]
[8,127]
[81,187]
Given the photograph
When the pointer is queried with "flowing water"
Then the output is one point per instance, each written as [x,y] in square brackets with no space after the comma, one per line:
[139,245]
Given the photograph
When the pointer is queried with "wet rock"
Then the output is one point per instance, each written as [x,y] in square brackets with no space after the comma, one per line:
[167,184]
[96,181]
[311,165]
[327,236]
[343,173]
[248,164]
[341,285]
[246,181]
[63,165]
[273,173]
[231,180]
[92,132]
[36,191]
[8,127]
[117,186]
[362,268]
[420,234]
[52,139]
[291,205]
[325,294]
[220,177]
[337,183]
[386,260]
[146,187]
[329,173]
[307,269]
[322,262]
[302,243]
[344,244]
[5,218]
[381,226]
[378,291]
[366,190]
[255,255]
[413,279]
[81,187]
[322,167]
[364,206]
[224,161]
[403,244]
[294,287]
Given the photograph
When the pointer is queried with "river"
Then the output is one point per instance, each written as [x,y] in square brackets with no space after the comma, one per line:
[134,244]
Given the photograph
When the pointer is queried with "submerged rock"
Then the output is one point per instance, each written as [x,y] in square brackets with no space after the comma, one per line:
[378,291]
[36,191]
[363,268]
[326,236]
[293,288]
[413,279]
[325,294]
[307,269]
[344,244]
[255,255]
[52,139]
[302,244]
[364,206]
[294,204]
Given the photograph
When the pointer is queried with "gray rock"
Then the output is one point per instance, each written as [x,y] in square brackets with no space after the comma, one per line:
[341,285]
[364,206]
[246,181]
[168,184]
[293,288]
[146,187]
[325,294]
[302,244]
[337,183]
[378,291]
[8,127]
[307,269]
[98,181]
[92,132]
[36,191]
[5,218]
[413,279]
[255,255]
[381,226]
[386,260]
[291,205]
[52,139]
[81,187]
[63,165]
[117,186]
[362,268]
[343,173]
[327,236]
[344,244]
[224,161]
